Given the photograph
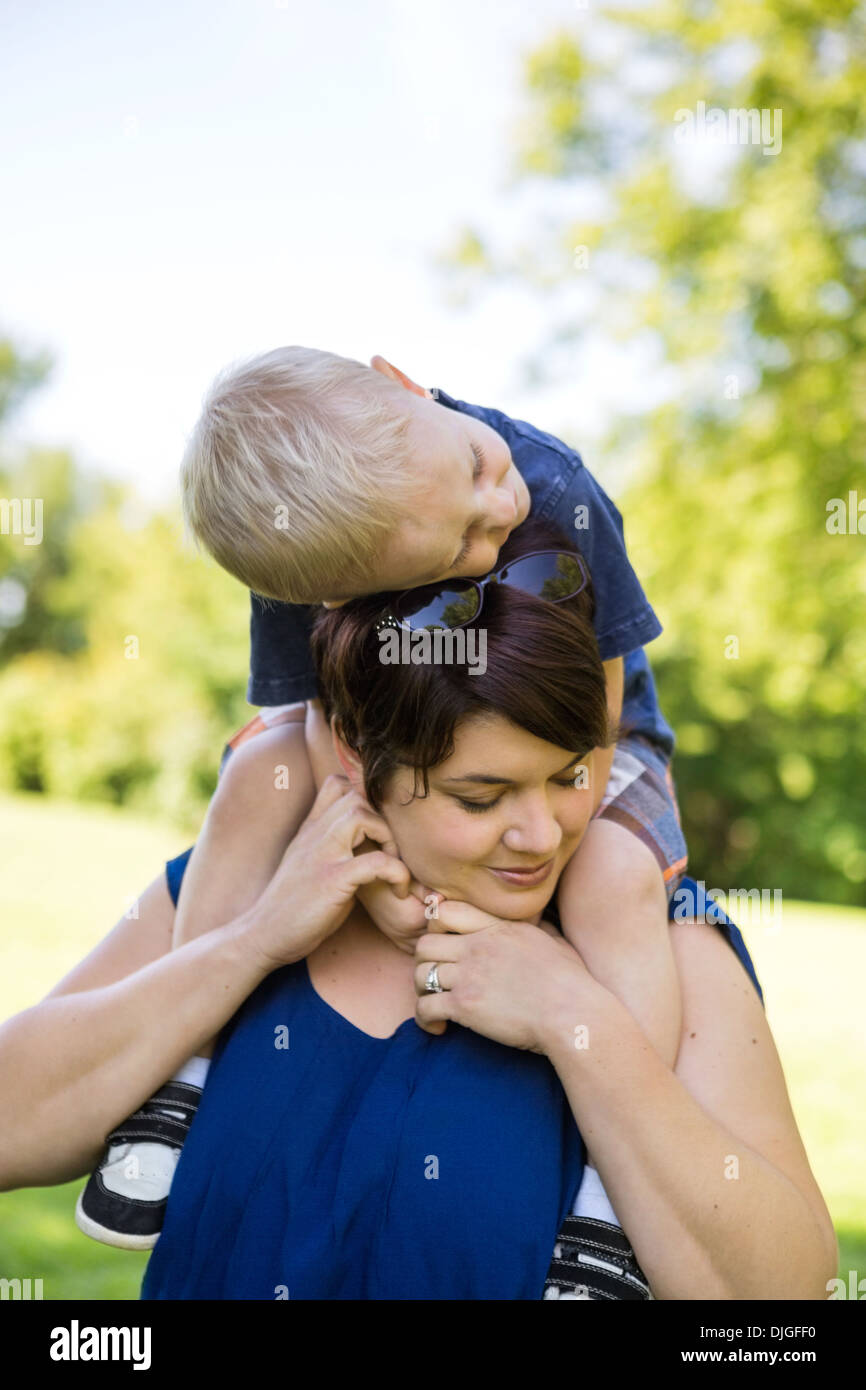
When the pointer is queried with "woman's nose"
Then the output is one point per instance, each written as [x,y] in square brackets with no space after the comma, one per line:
[534,832]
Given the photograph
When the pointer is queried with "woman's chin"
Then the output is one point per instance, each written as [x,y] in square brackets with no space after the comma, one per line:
[512,903]
[522,906]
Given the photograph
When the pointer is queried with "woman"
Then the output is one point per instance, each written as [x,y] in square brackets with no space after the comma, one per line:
[342,1150]
[347,1147]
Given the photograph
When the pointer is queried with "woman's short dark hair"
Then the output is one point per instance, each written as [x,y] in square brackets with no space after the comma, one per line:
[544,674]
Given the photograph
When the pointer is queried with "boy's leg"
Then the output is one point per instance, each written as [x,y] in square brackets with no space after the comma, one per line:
[614,894]
[263,792]
[641,796]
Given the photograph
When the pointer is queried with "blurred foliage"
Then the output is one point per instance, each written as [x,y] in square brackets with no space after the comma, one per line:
[742,275]
[123,651]
[19,373]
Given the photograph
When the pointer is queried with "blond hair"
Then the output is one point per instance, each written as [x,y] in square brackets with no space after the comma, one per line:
[296,470]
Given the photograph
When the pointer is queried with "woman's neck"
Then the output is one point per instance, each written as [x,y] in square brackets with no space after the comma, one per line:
[362,975]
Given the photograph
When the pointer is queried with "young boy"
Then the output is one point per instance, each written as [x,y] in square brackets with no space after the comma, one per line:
[314,479]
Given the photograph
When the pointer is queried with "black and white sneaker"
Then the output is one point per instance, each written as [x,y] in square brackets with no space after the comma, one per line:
[594,1260]
[125,1198]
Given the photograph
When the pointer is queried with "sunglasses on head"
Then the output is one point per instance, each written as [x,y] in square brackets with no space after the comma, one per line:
[554,575]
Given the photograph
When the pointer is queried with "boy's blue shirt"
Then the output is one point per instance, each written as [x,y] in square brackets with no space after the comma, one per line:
[281,667]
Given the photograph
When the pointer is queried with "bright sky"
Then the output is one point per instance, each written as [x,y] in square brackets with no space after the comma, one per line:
[185,184]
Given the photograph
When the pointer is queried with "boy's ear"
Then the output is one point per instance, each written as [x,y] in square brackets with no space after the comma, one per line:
[381,364]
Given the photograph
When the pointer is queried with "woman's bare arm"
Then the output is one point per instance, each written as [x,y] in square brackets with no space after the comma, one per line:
[73,1068]
[706,1168]
[78,1063]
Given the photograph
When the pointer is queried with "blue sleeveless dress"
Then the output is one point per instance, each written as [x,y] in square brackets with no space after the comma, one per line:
[324,1163]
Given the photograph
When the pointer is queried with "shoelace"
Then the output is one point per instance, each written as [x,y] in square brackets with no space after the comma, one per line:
[152,1122]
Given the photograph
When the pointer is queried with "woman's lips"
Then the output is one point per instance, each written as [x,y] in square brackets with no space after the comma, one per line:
[524,878]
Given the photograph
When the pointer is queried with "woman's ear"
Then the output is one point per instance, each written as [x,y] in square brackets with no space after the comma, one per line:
[347,757]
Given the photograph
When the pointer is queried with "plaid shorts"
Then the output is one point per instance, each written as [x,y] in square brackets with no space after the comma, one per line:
[641,796]
[267,718]
[640,792]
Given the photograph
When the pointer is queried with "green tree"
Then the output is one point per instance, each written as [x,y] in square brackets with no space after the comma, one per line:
[740,271]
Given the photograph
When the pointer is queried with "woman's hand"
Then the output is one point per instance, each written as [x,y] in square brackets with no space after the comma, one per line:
[505,980]
[314,886]
[399,911]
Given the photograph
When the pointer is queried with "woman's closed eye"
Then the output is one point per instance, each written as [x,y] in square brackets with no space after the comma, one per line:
[488,805]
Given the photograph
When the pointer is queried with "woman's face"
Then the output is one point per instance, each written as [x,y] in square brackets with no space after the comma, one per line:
[502,819]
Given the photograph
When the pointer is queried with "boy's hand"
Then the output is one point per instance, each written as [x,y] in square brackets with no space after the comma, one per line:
[399,912]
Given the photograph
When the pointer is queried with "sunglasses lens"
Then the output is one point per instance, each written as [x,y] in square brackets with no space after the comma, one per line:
[549,576]
[439,606]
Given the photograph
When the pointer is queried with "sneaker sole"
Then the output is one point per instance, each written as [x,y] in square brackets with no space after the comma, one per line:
[118,1239]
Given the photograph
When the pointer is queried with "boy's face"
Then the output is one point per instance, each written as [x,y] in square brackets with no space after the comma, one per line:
[473,498]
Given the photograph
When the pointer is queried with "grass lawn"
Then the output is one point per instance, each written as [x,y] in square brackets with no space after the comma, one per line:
[70,871]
